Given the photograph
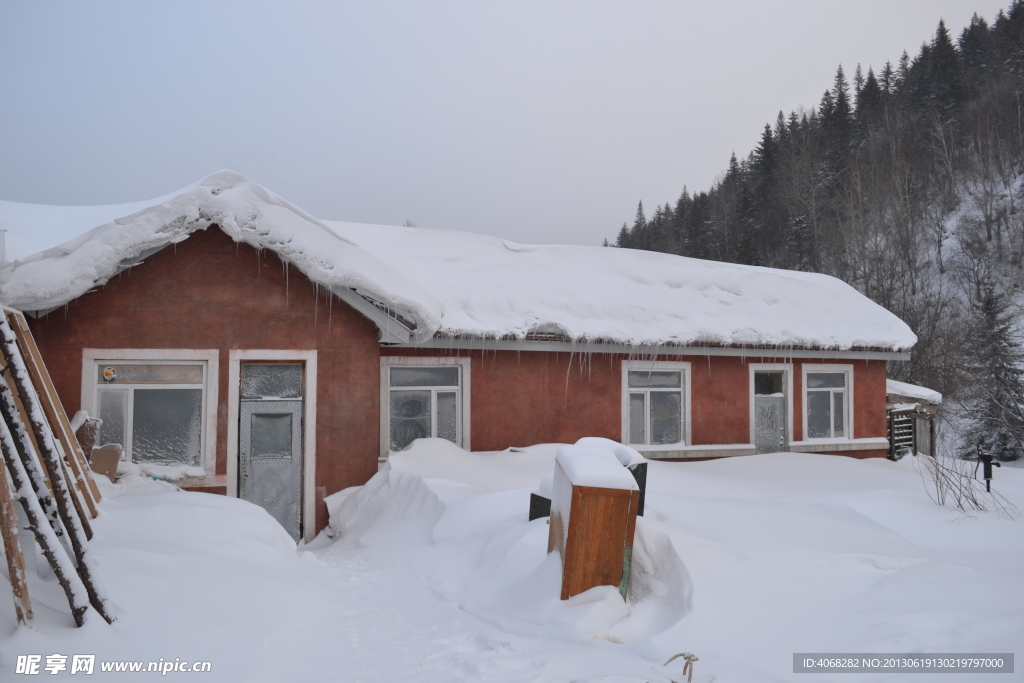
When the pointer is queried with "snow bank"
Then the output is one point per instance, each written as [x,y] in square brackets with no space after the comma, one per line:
[624,295]
[245,211]
[783,553]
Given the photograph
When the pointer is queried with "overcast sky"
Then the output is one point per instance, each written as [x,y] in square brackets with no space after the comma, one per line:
[536,121]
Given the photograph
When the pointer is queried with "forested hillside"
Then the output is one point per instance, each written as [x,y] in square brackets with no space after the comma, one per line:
[906,182]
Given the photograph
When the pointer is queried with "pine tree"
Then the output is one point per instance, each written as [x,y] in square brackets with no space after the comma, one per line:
[998,409]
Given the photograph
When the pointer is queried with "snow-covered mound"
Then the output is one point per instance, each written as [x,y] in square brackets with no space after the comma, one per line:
[438,500]
[754,558]
[456,283]
[490,287]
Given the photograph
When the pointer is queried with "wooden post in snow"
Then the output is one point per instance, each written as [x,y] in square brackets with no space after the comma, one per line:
[593,518]
[12,550]
[51,459]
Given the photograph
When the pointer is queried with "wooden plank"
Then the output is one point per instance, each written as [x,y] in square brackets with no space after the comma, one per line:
[54,410]
[32,497]
[51,460]
[12,550]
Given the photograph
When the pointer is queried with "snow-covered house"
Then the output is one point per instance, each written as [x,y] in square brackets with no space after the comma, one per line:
[223,332]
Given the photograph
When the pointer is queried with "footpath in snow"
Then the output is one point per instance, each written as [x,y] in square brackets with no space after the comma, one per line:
[435,574]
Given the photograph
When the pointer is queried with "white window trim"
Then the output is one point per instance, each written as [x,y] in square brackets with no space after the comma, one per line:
[235,359]
[787,383]
[210,388]
[388,362]
[845,368]
[658,366]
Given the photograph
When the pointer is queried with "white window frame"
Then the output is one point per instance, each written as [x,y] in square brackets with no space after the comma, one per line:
[787,387]
[846,369]
[308,358]
[388,362]
[657,366]
[93,358]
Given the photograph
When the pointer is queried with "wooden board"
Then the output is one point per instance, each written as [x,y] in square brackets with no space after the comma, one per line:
[54,412]
[12,550]
[595,538]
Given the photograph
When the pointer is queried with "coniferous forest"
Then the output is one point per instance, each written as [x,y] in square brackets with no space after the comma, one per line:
[907,182]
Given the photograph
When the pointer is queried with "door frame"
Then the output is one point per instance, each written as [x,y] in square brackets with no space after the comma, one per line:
[235,359]
[787,386]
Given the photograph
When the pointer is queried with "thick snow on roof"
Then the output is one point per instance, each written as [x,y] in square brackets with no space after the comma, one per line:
[245,211]
[460,283]
[893,387]
[492,287]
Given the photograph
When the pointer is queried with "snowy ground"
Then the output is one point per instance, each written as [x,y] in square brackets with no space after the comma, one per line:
[439,577]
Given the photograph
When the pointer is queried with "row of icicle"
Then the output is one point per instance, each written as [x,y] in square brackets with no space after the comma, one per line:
[45,473]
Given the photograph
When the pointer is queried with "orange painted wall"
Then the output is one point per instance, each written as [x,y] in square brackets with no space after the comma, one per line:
[210,293]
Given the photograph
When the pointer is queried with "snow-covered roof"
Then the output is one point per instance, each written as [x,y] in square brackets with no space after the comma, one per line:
[462,284]
[493,287]
[894,388]
[241,208]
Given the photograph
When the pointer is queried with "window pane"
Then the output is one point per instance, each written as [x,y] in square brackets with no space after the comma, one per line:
[425,377]
[271,435]
[666,417]
[410,417]
[113,412]
[637,426]
[148,373]
[661,380]
[167,426]
[819,418]
[447,420]
[826,380]
[272,380]
[838,413]
[767,383]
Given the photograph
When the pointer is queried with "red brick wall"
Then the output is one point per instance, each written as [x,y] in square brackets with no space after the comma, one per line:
[529,397]
[211,293]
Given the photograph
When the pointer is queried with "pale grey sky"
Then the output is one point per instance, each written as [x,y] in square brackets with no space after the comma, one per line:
[539,121]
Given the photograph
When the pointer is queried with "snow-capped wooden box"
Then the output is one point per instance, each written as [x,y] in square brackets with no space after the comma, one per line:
[593,518]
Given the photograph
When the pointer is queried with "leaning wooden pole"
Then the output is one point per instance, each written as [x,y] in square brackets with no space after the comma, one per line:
[12,550]
[53,410]
[46,537]
[51,461]
[24,450]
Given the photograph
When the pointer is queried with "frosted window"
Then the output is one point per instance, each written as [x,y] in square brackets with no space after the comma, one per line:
[819,417]
[666,417]
[637,419]
[114,413]
[167,426]
[410,417]
[146,373]
[271,435]
[837,414]
[425,377]
[447,417]
[826,380]
[271,380]
[658,380]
